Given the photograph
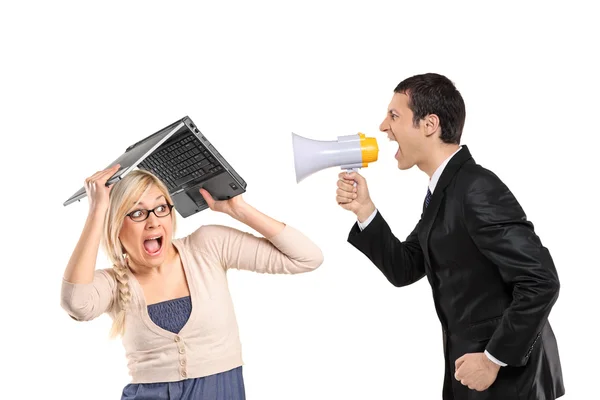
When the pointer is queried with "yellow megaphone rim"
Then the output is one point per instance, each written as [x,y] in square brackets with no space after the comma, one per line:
[369,149]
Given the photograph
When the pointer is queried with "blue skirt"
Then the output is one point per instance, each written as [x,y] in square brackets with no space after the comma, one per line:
[224,386]
[229,385]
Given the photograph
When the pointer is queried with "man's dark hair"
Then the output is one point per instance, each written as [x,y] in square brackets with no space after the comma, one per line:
[435,94]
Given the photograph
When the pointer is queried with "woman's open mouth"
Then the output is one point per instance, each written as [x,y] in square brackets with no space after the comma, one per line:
[153,245]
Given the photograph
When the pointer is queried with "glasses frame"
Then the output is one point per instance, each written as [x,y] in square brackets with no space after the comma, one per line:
[169,206]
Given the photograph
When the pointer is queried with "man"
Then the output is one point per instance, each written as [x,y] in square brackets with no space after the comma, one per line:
[493,281]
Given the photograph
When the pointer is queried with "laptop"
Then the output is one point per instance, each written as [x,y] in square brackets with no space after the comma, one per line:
[185,161]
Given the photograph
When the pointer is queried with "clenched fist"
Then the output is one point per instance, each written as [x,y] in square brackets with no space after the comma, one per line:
[354,198]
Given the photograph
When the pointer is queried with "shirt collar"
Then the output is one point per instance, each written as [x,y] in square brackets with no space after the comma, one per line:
[438,172]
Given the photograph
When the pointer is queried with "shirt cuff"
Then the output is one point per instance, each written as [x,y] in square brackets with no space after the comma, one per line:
[366,222]
[494,359]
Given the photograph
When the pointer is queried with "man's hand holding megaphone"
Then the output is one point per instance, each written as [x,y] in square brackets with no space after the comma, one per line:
[355,199]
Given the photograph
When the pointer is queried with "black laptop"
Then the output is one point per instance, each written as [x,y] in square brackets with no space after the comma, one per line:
[182,157]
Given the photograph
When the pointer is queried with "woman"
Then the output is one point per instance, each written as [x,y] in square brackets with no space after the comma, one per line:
[168,297]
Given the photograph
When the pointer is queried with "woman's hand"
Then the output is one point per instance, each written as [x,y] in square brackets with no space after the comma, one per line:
[232,207]
[238,209]
[96,189]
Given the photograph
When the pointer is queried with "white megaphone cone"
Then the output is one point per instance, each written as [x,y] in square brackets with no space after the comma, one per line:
[348,152]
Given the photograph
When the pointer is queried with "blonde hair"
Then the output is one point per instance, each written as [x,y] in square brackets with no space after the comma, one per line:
[127,191]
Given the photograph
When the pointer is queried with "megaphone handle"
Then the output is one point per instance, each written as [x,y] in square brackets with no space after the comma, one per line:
[355,170]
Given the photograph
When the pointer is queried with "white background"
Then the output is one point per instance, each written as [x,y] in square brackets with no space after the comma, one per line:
[81,81]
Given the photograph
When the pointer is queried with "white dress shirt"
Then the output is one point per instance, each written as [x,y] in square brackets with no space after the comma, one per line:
[432,184]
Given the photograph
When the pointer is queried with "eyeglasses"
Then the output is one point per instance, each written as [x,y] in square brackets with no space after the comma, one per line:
[141,215]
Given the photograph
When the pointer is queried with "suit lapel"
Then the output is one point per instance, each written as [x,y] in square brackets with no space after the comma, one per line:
[455,163]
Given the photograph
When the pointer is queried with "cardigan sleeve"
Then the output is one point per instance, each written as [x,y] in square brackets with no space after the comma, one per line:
[84,302]
[288,252]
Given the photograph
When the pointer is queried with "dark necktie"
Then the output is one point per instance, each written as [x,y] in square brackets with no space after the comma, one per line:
[427,198]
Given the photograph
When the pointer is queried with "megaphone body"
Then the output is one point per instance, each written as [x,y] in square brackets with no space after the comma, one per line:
[348,152]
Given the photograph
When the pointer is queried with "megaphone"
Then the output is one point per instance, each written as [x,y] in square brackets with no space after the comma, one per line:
[348,152]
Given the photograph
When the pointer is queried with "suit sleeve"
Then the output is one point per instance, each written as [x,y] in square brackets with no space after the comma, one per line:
[402,263]
[498,226]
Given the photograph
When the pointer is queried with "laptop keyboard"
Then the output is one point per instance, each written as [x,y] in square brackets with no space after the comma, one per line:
[182,161]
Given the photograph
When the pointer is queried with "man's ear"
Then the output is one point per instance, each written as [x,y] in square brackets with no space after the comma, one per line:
[431,125]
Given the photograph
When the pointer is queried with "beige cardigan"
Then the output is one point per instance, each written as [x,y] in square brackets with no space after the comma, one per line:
[209,342]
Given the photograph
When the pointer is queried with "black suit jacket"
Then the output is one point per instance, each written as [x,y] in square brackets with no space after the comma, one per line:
[493,281]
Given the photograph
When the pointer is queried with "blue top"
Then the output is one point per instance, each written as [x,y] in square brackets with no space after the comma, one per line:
[172,315]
